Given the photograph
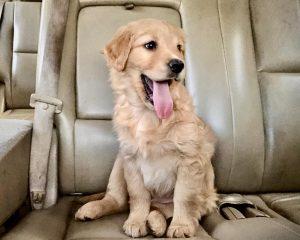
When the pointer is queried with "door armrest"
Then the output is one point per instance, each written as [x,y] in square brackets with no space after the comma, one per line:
[15,141]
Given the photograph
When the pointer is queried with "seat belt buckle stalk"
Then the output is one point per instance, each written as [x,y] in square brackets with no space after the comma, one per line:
[46,99]
[235,206]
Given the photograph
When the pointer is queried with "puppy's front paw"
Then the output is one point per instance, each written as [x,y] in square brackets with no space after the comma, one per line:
[89,211]
[181,230]
[135,228]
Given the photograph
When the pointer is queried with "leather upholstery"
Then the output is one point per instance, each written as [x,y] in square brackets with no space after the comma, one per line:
[2,98]
[246,165]
[277,39]
[276,227]
[281,98]
[286,204]
[277,49]
[23,114]
[6,46]
[24,52]
[253,228]
[92,160]
[49,224]
[55,224]
[251,159]
[18,46]
[14,163]
[206,74]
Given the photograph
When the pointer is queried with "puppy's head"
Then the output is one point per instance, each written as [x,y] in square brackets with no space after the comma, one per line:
[151,53]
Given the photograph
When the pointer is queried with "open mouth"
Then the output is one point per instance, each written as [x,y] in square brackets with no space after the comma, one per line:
[158,94]
[148,87]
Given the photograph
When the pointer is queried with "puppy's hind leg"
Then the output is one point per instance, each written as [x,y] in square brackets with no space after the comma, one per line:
[157,218]
[157,223]
[115,199]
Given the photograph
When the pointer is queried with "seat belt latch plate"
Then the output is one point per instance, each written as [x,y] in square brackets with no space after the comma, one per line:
[46,99]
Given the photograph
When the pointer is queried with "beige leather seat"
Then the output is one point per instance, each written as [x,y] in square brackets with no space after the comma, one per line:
[243,73]
[19,34]
[19,28]
[14,165]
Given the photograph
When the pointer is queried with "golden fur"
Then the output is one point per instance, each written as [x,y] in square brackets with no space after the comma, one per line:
[163,165]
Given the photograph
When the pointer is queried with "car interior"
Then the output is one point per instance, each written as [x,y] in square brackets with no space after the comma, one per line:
[243,72]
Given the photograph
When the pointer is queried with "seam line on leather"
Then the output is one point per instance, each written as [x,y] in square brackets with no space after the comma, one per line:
[260,95]
[12,57]
[284,200]
[74,152]
[230,95]
[23,52]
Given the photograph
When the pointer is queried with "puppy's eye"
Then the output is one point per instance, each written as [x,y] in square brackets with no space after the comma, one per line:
[179,47]
[150,45]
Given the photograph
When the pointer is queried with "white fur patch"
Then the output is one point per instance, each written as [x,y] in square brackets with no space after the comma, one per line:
[159,176]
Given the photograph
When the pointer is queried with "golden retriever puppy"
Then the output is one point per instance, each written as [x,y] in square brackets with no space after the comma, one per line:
[164,162]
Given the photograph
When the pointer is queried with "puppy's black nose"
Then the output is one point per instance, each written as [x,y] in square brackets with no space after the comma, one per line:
[176,65]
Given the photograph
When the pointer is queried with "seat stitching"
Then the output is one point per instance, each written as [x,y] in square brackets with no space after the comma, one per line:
[23,52]
[284,199]
[260,96]
[230,95]
[12,57]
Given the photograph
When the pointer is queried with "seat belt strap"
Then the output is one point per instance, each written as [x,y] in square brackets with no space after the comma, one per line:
[51,39]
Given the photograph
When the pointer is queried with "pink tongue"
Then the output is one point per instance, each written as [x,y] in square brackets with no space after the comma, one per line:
[163,103]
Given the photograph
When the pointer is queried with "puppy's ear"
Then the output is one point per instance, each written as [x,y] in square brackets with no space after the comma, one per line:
[117,50]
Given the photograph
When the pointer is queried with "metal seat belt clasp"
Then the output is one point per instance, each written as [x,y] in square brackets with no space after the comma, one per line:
[47,100]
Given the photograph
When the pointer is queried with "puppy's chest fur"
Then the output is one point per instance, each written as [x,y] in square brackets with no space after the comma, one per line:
[157,163]
[159,176]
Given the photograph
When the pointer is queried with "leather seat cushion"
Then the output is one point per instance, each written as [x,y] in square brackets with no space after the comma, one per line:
[276,227]
[14,165]
[286,204]
[254,228]
[22,114]
[58,223]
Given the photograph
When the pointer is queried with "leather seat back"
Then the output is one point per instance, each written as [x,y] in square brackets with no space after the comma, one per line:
[222,77]
[277,48]
[18,52]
